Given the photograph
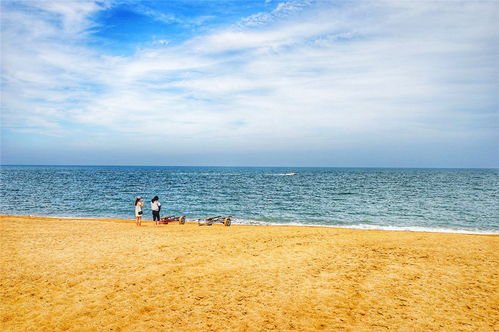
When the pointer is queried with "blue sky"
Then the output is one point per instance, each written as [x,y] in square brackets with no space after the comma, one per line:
[256,83]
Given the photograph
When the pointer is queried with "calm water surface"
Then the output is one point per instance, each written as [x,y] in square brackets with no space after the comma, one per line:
[426,199]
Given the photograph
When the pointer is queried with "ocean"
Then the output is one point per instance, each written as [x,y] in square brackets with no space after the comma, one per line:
[448,200]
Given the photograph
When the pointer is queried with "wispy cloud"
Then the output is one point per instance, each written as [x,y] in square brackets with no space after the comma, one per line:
[313,75]
[283,9]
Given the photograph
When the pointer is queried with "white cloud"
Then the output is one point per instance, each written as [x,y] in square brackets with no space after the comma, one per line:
[283,9]
[305,74]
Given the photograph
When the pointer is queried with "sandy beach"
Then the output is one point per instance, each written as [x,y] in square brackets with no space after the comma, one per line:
[82,275]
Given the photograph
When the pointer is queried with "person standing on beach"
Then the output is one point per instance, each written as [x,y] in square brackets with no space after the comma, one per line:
[138,210]
[155,207]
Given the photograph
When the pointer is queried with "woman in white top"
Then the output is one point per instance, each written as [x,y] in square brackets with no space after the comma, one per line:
[138,210]
[155,207]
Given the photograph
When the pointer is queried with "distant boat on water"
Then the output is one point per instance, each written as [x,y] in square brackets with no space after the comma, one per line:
[291,173]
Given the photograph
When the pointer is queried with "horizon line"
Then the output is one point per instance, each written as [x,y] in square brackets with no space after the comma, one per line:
[245,166]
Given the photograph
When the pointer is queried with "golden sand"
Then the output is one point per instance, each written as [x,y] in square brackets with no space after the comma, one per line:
[100,275]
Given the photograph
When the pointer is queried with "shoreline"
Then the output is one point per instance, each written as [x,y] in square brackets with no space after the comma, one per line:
[81,274]
[236,222]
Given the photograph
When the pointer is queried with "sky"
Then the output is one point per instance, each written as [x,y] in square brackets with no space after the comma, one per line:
[324,83]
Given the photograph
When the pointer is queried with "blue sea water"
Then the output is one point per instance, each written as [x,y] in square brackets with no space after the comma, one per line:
[455,200]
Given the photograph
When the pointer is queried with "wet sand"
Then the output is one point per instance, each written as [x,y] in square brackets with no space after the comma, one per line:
[82,275]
